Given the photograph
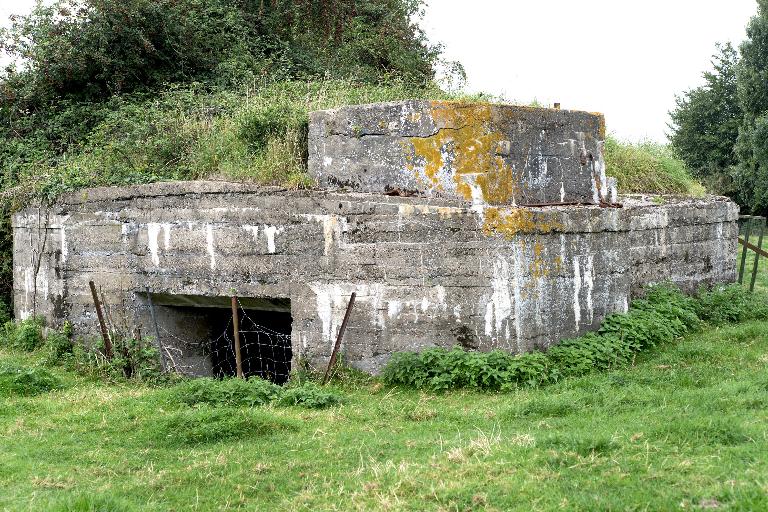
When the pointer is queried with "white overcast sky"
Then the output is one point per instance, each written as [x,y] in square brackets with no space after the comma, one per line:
[624,58]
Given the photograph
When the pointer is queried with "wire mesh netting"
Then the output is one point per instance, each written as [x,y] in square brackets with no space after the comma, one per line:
[265,346]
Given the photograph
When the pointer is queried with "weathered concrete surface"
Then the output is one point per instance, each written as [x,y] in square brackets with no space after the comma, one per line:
[427,272]
[484,153]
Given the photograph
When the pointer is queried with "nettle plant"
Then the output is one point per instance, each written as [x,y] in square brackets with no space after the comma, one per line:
[664,315]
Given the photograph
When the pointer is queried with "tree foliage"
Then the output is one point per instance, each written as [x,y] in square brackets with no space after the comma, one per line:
[751,175]
[705,121]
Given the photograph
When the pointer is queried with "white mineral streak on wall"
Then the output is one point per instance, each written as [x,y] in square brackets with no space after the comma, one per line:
[576,291]
[332,300]
[589,282]
[210,244]
[518,277]
[153,233]
[28,290]
[499,308]
[63,236]
[153,230]
[394,307]
[269,233]
[332,227]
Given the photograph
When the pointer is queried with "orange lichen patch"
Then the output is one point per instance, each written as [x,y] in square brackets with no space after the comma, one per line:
[498,184]
[465,132]
[540,265]
[513,221]
[601,125]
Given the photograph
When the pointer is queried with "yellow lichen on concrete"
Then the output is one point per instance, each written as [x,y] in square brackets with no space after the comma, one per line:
[465,132]
[511,222]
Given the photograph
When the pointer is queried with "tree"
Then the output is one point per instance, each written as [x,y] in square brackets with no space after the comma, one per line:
[751,174]
[705,122]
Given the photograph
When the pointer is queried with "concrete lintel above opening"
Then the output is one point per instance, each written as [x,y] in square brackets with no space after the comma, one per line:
[282,305]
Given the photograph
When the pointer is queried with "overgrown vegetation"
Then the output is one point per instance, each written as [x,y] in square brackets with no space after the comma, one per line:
[650,168]
[132,359]
[664,315]
[18,380]
[251,392]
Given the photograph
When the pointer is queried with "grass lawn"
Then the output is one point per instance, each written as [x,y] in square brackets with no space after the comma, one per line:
[685,428]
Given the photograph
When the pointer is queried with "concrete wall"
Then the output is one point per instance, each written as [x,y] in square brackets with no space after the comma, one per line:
[427,272]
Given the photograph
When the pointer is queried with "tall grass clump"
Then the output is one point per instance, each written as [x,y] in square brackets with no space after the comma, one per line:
[649,168]
[16,380]
[252,392]
[662,316]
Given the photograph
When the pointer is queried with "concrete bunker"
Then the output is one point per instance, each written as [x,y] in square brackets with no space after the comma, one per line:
[197,333]
[486,226]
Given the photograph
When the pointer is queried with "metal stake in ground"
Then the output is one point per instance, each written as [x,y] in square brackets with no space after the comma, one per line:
[747,231]
[236,326]
[343,328]
[157,330]
[100,315]
[761,224]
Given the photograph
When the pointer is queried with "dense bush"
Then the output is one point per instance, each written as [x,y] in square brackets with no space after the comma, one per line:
[664,315]
[26,335]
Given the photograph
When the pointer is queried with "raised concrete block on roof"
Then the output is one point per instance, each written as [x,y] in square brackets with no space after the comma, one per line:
[479,152]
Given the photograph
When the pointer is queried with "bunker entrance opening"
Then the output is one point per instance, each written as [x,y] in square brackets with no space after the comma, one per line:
[197,332]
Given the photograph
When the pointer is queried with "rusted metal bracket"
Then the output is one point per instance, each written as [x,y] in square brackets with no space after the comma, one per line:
[601,204]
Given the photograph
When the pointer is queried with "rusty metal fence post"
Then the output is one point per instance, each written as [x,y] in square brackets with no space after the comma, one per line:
[758,224]
[755,268]
[747,232]
[236,326]
[337,345]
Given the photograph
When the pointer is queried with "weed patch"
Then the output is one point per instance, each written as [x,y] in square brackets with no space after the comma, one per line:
[664,315]
[309,395]
[225,393]
[27,335]
[206,424]
[21,381]
[252,392]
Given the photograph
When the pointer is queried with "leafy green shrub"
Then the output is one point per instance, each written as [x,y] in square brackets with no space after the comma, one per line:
[727,304]
[58,345]
[225,393]
[206,424]
[665,314]
[309,395]
[26,335]
[22,381]
[132,359]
